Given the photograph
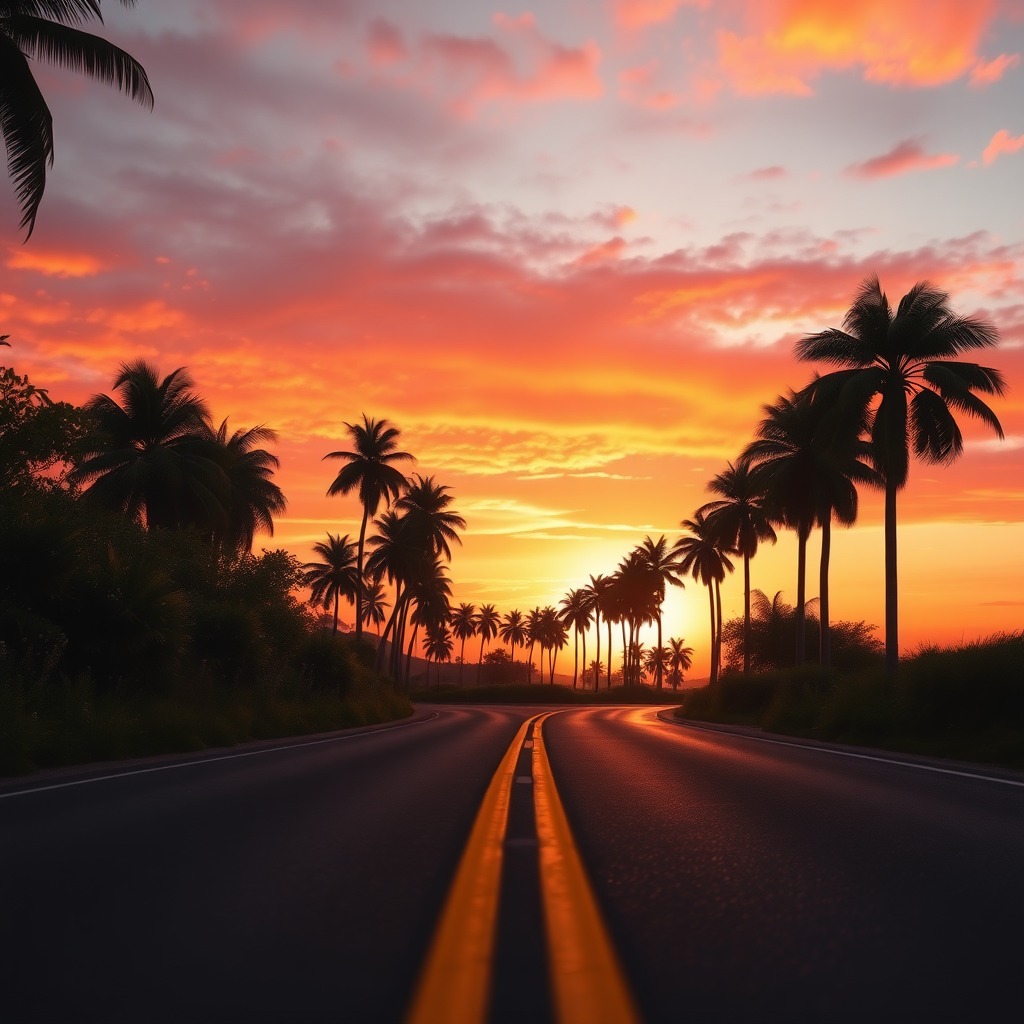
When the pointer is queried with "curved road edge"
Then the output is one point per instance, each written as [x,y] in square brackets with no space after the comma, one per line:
[946,766]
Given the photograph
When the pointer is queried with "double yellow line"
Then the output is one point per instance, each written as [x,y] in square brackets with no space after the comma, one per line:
[586,978]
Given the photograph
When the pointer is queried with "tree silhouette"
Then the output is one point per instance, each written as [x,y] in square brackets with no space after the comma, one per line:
[597,589]
[902,365]
[663,565]
[438,645]
[576,613]
[513,632]
[44,30]
[425,505]
[487,624]
[701,555]
[335,576]
[741,522]
[370,470]
[680,658]
[374,605]
[533,634]
[464,626]
[152,456]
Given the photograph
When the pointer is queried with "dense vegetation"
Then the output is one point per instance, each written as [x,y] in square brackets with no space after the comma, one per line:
[134,618]
[964,701]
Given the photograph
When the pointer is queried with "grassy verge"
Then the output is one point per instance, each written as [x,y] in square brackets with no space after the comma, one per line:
[964,701]
[524,694]
[50,725]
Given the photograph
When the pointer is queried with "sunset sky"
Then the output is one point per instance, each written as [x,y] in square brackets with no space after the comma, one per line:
[567,248]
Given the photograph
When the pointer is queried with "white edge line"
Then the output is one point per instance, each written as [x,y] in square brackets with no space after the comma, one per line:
[846,753]
[219,757]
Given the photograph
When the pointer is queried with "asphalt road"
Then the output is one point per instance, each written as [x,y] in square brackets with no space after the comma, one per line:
[741,880]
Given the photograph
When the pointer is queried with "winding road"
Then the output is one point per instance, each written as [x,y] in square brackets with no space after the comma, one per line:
[737,878]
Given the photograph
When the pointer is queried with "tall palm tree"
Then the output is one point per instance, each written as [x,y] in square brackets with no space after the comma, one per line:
[598,587]
[741,521]
[663,565]
[701,555]
[426,507]
[45,30]
[251,497]
[488,621]
[464,626]
[680,658]
[902,364]
[513,632]
[534,627]
[552,638]
[576,614]
[396,555]
[369,469]
[656,660]
[595,671]
[335,576]
[152,456]
[430,590]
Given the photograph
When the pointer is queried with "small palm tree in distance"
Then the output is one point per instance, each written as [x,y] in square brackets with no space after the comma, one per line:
[335,576]
[513,632]
[680,658]
[369,469]
[904,364]
[487,624]
[464,627]
[374,604]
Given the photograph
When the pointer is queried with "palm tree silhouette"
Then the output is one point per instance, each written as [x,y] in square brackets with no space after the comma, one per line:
[335,576]
[740,520]
[655,660]
[487,623]
[701,555]
[397,556]
[598,587]
[35,30]
[663,566]
[438,645]
[369,469]
[152,457]
[576,613]
[905,359]
[513,632]
[252,499]
[533,634]
[374,605]
[425,505]
[680,658]
[464,626]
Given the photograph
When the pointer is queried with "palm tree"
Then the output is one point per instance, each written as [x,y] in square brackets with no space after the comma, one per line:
[663,565]
[679,659]
[702,557]
[464,626]
[369,469]
[374,605]
[595,670]
[907,361]
[333,577]
[552,638]
[425,505]
[438,645]
[576,613]
[35,30]
[151,456]
[513,632]
[533,634]
[252,499]
[656,660]
[806,460]
[487,623]
[598,587]
[741,521]
[430,589]
[397,556]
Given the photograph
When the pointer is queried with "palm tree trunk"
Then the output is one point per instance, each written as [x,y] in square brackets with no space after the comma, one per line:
[597,630]
[801,597]
[584,659]
[657,681]
[892,623]
[480,660]
[359,589]
[529,664]
[825,642]
[746,614]
[576,655]
[552,658]
[336,597]
[462,660]
[714,647]
[609,621]
[408,660]
[625,654]
[378,661]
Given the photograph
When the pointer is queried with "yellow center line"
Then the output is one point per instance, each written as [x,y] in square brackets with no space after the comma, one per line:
[587,979]
[456,978]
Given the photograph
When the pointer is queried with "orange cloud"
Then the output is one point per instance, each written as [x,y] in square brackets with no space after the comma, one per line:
[912,43]
[904,158]
[985,72]
[55,264]
[1001,142]
[632,15]
[637,85]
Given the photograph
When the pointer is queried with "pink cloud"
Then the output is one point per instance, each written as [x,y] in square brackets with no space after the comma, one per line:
[768,173]
[632,15]
[638,85]
[904,158]
[1001,142]
[985,72]
[385,43]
